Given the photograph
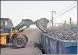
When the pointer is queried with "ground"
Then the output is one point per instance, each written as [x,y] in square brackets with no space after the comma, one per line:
[32,35]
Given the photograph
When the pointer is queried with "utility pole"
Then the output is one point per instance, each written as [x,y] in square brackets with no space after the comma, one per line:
[70,21]
[64,24]
[53,17]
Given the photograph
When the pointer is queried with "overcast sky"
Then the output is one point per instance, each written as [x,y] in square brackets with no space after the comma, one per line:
[18,10]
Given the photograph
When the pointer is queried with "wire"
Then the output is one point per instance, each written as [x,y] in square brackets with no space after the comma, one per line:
[66,11]
[68,7]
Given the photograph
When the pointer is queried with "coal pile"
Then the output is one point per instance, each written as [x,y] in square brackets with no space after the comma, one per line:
[56,32]
[62,34]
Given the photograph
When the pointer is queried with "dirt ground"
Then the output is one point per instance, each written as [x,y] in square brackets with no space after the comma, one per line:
[32,35]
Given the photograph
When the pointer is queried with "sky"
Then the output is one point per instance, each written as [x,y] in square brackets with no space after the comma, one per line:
[34,10]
